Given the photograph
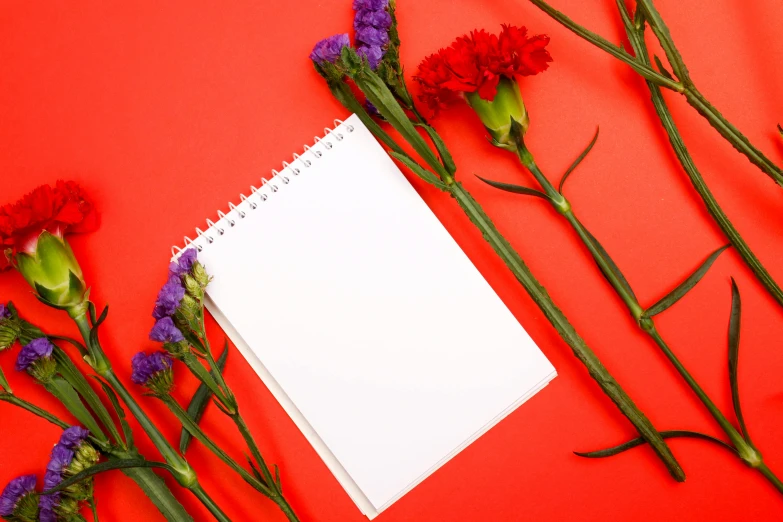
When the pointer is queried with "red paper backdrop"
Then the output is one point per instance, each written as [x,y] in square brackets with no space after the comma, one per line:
[166,111]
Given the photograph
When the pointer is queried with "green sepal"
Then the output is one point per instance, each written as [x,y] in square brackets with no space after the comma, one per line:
[199,402]
[417,169]
[683,288]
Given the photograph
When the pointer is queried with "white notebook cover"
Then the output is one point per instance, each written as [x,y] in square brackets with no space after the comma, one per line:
[365,319]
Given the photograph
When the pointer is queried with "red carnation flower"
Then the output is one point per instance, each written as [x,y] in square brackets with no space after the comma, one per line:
[59,210]
[475,63]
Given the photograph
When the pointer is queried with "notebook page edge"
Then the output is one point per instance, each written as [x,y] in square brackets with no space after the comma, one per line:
[334,466]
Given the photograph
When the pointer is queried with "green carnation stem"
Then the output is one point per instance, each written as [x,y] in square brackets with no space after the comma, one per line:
[745,450]
[380,96]
[152,485]
[181,469]
[685,86]
[556,317]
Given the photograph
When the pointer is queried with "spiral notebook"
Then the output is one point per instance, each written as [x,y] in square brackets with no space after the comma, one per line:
[364,318]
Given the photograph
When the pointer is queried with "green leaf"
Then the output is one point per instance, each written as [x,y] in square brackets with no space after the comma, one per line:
[382,98]
[96,324]
[578,160]
[684,287]
[65,393]
[440,146]
[159,493]
[76,379]
[735,321]
[662,68]
[256,473]
[417,169]
[199,402]
[79,346]
[516,189]
[103,467]
[120,411]
[4,382]
[615,269]
[609,452]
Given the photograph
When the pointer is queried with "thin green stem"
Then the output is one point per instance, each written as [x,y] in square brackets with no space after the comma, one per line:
[32,408]
[210,504]
[745,449]
[618,52]
[555,316]
[764,470]
[198,434]
[202,374]
[636,37]
[94,508]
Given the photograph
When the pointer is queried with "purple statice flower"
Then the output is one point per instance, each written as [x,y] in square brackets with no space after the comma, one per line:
[373,53]
[165,331]
[329,49]
[169,297]
[60,459]
[32,351]
[380,19]
[14,492]
[372,5]
[145,366]
[369,35]
[73,436]
[185,262]
[5,313]
[47,505]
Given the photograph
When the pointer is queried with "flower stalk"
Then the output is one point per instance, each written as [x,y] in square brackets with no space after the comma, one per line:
[684,85]
[440,173]
[642,318]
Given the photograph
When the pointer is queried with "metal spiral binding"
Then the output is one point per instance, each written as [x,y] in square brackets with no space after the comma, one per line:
[257,196]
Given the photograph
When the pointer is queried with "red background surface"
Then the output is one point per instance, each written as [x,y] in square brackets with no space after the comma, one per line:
[165,111]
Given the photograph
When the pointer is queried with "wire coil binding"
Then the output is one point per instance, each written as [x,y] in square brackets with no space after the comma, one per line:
[300,162]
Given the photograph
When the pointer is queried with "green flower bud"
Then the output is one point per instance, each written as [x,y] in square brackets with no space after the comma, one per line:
[53,271]
[177,350]
[496,115]
[9,333]
[193,288]
[200,274]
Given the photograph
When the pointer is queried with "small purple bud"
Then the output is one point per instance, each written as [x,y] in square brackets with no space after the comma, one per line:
[374,54]
[153,371]
[185,262]
[5,313]
[329,49]
[32,351]
[369,35]
[73,436]
[372,5]
[169,297]
[14,493]
[378,19]
[165,331]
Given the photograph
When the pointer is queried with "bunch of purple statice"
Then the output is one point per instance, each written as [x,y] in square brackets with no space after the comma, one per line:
[19,499]
[71,455]
[371,25]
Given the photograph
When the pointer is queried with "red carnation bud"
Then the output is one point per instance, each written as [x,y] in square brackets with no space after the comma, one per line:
[32,235]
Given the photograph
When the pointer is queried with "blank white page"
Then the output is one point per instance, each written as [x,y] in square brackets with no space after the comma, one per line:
[365,319]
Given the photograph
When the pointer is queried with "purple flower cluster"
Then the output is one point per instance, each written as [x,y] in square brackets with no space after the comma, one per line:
[73,437]
[60,459]
[170,297]
[371,23]
[146,366]
[32,351]
[5,313]
[329,49]
[14,492]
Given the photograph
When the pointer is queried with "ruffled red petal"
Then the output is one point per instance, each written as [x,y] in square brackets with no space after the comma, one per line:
[476,62]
